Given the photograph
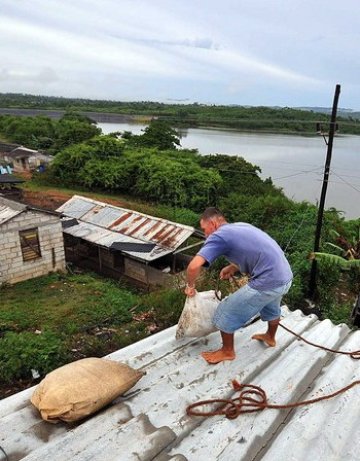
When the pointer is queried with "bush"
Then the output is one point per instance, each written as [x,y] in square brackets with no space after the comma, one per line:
[22,352]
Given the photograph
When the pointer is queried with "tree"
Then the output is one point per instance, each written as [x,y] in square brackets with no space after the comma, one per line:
[106,146]
[69,132]
[158,134]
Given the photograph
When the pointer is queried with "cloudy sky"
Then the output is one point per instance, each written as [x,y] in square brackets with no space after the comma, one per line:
[248,52]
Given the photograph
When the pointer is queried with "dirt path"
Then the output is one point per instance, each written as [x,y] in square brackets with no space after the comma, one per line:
[52,199]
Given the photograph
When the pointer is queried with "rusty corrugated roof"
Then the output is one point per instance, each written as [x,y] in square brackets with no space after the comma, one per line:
[106,224]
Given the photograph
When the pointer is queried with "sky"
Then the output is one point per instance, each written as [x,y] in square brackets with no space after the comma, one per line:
[288,53]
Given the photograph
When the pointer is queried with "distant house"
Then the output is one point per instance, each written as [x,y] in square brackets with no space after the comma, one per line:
[119,242]
[22,158]
[31,242]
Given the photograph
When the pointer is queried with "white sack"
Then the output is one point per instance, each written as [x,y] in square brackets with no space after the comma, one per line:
[196,317]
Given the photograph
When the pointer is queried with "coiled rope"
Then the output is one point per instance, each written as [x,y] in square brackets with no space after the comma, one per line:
[251,398]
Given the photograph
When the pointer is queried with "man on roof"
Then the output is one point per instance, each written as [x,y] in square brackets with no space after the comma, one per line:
[251,251]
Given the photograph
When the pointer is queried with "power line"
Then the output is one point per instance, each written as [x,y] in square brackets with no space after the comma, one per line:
[295,174]
[346,182]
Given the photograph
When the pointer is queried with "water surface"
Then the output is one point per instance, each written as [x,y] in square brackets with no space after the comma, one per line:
[295,163]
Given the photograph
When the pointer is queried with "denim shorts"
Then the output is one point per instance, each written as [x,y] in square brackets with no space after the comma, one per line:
[237,309]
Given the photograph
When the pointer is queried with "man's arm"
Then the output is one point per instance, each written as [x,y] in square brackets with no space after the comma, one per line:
[192,272]
[228,271]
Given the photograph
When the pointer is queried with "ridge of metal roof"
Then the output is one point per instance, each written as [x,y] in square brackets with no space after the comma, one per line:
[9,209]
[150,422]
[105,224]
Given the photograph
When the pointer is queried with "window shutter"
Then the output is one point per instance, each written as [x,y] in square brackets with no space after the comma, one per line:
[30,246]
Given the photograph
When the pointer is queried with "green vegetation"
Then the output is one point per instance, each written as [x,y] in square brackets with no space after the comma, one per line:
[282,120]
[49,321]
[44,133]
[184,180]
[84,315]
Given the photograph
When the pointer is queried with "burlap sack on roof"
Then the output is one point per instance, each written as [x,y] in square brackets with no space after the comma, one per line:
[78,389]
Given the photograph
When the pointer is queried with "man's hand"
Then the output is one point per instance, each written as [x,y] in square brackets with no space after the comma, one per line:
[228,271]
[192,273]
[190,291]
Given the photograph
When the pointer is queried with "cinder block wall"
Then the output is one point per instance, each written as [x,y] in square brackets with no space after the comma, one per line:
[12,267]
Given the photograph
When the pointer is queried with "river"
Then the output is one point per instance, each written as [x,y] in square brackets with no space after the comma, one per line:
[295,163]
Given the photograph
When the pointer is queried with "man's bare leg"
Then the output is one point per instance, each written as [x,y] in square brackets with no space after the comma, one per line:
[227,352]
[269,337]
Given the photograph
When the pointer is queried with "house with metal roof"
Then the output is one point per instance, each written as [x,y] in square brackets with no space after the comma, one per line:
[118,242]
[24,159]
[150,421]
[31,242]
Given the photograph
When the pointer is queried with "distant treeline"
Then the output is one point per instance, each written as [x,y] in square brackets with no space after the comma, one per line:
[282,120]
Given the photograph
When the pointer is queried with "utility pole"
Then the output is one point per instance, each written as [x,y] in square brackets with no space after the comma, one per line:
[312,282]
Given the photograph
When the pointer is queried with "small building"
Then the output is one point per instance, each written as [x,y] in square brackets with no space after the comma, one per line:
[31,242]
[118,242]
[24,159]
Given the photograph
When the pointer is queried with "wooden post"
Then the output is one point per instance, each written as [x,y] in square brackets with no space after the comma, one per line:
[312,282]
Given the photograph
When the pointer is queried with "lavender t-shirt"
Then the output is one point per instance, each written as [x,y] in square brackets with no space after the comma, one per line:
[253,251]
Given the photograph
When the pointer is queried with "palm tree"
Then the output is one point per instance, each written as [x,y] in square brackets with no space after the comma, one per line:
[349,249]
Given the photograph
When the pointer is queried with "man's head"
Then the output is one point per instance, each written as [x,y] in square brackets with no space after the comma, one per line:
[211,220]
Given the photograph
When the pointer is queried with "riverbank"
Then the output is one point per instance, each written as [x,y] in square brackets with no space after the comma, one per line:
[98,117]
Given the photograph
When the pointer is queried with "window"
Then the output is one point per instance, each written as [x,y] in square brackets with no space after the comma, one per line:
[30,246]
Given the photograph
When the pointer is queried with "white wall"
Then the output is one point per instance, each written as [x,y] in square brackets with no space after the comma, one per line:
[12,267]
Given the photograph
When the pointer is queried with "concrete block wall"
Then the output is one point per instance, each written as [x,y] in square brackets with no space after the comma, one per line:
[12,267]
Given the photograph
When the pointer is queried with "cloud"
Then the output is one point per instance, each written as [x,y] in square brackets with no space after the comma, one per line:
[45,76]
[203,50]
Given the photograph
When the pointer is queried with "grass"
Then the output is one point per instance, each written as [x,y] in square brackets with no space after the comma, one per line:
[52,320]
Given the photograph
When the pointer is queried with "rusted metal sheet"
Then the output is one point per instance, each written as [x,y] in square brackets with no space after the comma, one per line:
[106,224]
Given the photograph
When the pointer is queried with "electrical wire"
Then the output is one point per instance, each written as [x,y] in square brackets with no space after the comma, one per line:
[346,182]
[296,174]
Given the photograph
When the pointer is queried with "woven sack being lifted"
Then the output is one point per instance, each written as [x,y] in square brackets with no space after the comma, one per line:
[196,317]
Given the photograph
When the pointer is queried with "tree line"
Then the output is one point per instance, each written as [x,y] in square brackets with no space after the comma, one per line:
[271,119]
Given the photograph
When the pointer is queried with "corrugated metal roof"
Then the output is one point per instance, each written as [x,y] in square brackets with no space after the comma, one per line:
[104,224]
[22,152]
[6,178]
[150,423]
[9,209]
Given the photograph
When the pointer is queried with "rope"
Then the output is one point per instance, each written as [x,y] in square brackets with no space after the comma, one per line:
[246,403]
[253,398]
[353,354]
